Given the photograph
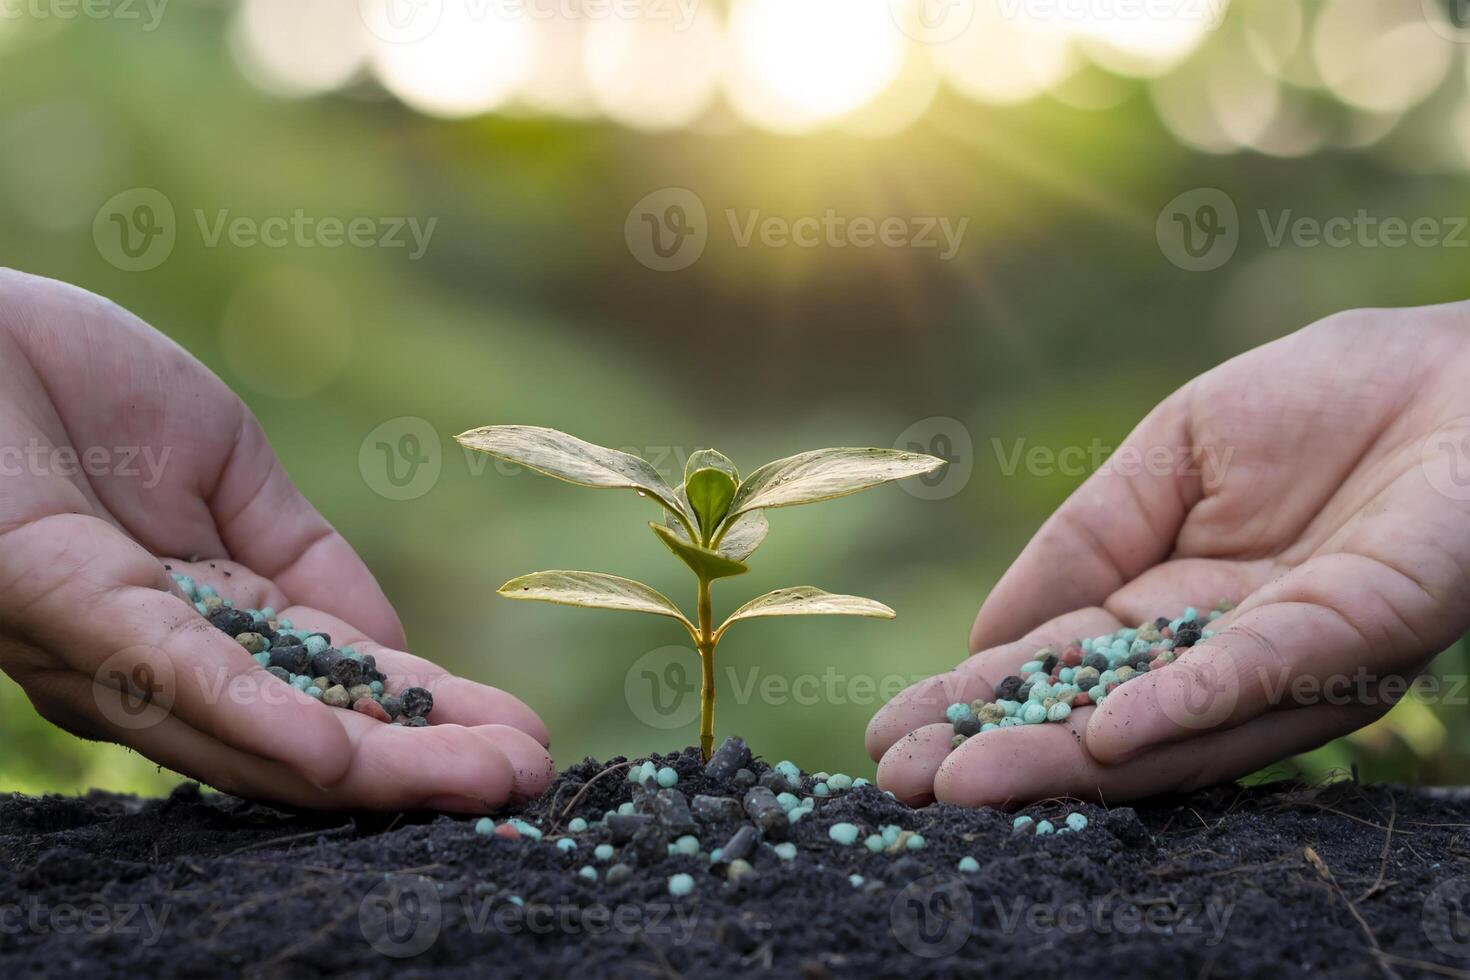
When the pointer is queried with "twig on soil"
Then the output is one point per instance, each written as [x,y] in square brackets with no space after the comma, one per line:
[1251,869]
[1373,889]
[583,792]
[1425,965]
[330,832]
[323,869]
[1333,810]
[245,908]
[1325,873]
[312,937]
[668,968]
[764,955]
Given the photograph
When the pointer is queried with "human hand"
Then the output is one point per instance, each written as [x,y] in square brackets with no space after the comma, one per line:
[118,449]
[1329,502]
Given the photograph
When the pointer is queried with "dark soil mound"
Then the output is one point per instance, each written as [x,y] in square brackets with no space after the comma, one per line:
[1280,881]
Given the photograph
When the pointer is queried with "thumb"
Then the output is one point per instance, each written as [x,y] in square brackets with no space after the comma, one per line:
[1122,521]
[268,526]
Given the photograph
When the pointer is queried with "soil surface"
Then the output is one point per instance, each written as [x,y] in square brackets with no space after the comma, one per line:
[1345,880]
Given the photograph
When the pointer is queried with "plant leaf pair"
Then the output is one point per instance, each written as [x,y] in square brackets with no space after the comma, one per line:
[597,590]
[714,521]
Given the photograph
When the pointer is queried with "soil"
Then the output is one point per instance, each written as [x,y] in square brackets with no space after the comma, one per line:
[1285,880]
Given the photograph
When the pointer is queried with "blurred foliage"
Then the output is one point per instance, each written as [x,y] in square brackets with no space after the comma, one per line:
[1059,324]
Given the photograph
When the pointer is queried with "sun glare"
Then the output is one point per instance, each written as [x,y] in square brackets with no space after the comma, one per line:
[796,64]
[656,71]
[458,58]
[1140,39]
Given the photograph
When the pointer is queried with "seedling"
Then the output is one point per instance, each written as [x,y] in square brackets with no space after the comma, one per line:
[713,521]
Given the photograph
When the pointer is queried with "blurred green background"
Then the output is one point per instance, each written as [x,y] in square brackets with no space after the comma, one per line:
[533,136]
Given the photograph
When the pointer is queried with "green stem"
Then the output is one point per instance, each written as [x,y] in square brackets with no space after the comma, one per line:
[706,643]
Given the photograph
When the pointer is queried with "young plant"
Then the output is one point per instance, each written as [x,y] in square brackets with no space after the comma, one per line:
[713,522]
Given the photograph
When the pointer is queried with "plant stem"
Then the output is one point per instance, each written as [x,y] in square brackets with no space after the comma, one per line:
[706,644]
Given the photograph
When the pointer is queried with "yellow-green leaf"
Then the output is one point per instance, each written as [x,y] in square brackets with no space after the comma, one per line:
[594,590]
[573,460]
[701,458]
[823,474]
[705,563]
[709,491]
[740,537]
[744,535]
[804,600]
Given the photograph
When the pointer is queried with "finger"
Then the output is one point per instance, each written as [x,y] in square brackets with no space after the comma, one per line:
[1168,589]
[908,768]
[1120,522]
[189,432]
[1329,627]
[269,526]
[447,767]
[457,700]
[924,703]
[232,581]
[1014,766]
[86,591]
